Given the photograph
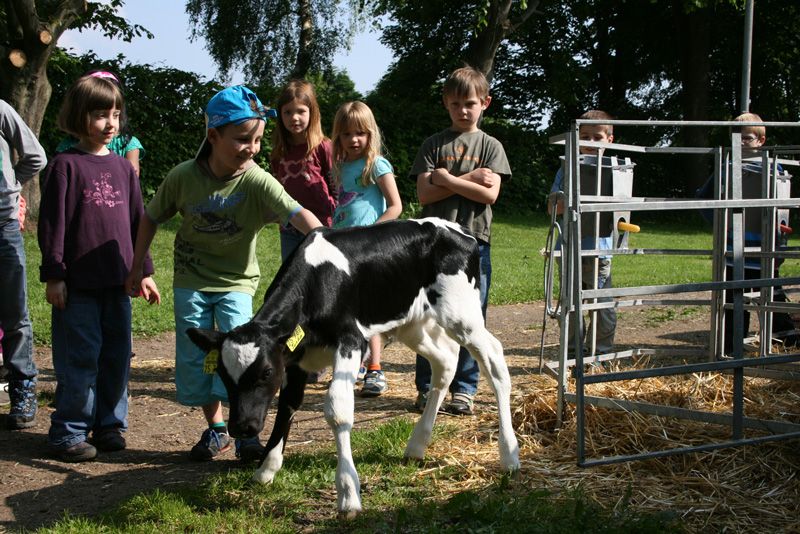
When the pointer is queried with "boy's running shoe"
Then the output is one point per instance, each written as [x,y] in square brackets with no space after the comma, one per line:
[211,445]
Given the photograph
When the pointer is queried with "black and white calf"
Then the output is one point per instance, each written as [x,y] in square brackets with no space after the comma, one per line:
[415,281]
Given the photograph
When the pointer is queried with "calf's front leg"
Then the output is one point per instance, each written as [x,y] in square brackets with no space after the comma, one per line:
[339,407]
[289,401]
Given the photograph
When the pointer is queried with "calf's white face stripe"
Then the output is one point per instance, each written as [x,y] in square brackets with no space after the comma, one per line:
[321,250]
[237,358]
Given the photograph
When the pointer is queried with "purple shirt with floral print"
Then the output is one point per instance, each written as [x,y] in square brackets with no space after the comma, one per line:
[89,216]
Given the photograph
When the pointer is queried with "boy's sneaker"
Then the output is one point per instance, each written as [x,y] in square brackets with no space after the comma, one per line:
[374,384]
[460,404]
[422,400]
[211,444]
[80,452]
[249,449]
[22,394]
[4,398]
[109,440]
[362,373]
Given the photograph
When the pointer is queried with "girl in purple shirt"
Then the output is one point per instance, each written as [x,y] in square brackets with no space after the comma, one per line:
[90,212]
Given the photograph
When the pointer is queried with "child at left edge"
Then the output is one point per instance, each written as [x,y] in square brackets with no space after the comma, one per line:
[225,199]
[90,211]
[368,195]
[16,334]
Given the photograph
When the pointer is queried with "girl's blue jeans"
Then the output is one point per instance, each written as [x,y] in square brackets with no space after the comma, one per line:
[91,358]
[467,371]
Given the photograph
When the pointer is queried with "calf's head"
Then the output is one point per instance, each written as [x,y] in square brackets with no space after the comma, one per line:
[251,364]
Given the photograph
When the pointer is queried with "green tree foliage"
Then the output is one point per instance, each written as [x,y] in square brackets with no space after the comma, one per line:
[430,39]
[651,60]
[272,40]
[636,59]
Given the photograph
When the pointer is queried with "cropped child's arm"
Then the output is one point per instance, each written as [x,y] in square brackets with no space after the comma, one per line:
[394,206]
[557,199]
[147,230]
[31,155]
[481,185]
[305,221]
[133,157]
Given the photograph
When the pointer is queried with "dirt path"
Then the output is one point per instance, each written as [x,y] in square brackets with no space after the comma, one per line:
[35,489]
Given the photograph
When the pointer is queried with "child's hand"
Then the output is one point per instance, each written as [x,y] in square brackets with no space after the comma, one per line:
[484,176]
[149,291]
[56,293]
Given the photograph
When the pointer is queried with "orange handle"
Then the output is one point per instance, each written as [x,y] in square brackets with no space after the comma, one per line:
[786,229]
[622,226]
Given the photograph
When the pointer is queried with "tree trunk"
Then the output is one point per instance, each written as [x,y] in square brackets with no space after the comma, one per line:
[306,41]
[695,39]
[482,49]
[29,97]
[26,87]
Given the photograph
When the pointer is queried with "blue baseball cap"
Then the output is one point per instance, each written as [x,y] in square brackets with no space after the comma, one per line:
[233,105]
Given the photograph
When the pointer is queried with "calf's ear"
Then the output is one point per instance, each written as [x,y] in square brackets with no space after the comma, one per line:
[207,340]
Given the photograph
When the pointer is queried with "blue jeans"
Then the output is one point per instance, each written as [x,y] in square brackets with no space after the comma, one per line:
[91,358]
[467,371]
[203,309]
[290,240]
[14,319]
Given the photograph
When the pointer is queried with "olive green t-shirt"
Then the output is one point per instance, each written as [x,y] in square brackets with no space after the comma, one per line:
[215,247]
[460,153]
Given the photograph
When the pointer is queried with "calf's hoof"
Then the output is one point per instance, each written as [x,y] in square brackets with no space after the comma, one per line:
[348,515]
[263,476]
[408,460]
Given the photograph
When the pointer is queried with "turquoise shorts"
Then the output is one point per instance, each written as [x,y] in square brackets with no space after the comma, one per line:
[209,310]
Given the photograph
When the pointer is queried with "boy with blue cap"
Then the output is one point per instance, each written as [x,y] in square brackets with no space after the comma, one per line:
[225,199]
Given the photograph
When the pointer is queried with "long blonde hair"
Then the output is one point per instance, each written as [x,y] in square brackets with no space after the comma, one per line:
[356,116]
[303,92]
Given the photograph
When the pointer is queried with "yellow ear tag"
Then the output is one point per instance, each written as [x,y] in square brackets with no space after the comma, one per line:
[295,339]
[210,363]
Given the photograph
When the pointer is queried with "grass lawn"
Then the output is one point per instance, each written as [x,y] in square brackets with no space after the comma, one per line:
[398,500]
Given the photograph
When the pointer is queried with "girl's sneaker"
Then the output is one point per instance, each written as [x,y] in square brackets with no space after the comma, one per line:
[362,373]
[374,384]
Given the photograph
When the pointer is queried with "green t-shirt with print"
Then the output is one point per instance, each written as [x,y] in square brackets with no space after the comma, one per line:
[215,247]
[460,153]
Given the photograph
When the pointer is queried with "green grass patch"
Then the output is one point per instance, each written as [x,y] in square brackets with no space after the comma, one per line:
[395,499]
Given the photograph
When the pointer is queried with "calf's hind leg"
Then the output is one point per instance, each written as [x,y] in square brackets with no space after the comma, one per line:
[433,343]
[488,352]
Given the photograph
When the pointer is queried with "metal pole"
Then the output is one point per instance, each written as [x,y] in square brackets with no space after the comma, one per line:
[747,53]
